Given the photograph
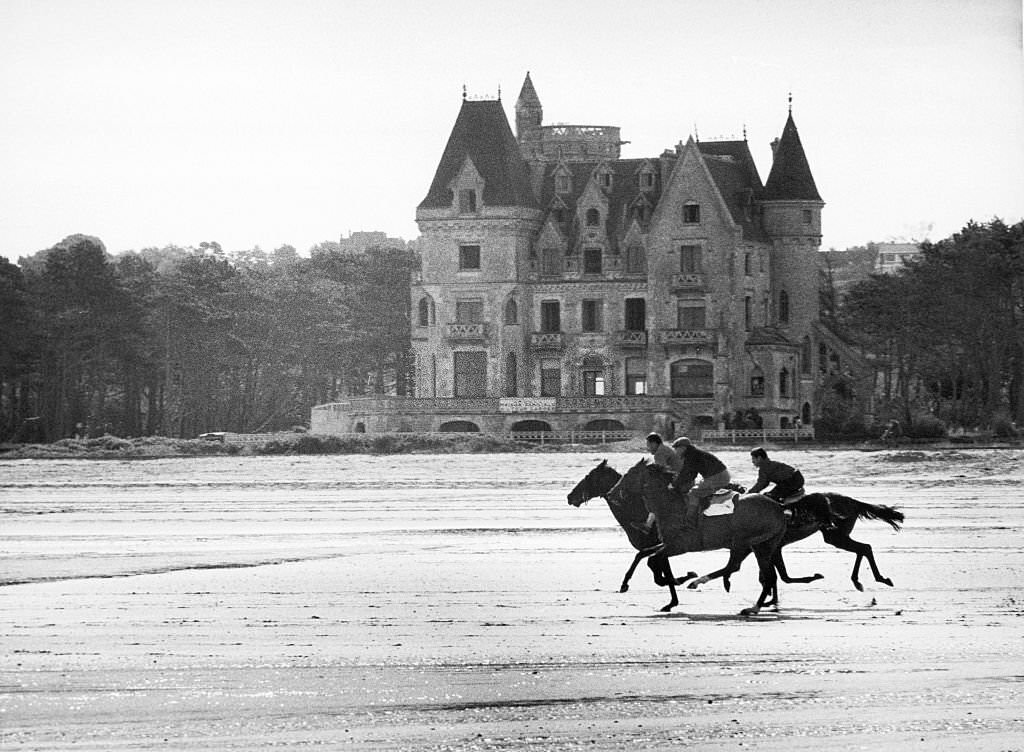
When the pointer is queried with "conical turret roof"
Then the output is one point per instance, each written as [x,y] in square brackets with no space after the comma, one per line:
[482,133]
[528,95]
[790,178]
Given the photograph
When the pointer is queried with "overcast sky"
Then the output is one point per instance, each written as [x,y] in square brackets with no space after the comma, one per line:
[271,122]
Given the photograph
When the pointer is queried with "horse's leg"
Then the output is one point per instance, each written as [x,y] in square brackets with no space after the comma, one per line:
[629,572]
[780,567]
[764,552]
[840,538]
[736,558]
[666,569]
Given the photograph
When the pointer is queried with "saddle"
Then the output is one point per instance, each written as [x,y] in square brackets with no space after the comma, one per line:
[722,501]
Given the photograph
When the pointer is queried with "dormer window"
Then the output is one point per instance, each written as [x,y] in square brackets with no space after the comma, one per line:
[467,201]
[604,179]
[645,180]
[691,213]
[562,183]
[593,218]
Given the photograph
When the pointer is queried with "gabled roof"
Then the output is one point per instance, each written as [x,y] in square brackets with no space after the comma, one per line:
[482,134]
[735,174]
[790,178]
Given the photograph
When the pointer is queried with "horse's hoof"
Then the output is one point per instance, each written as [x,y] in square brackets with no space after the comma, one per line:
[624,588]
[886,581]
[727,585]
[749,612]
[858,586]
[669,607]
[693,585]
[817,576]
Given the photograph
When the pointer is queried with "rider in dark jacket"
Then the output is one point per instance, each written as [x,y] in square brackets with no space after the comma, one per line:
[787,479]
[713,473]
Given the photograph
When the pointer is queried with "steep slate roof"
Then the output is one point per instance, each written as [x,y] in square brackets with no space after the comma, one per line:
[790,177]
[482,133]
[623,192]
[528,95]
[735,174]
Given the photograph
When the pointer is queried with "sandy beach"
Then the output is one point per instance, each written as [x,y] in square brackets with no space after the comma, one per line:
[457,602]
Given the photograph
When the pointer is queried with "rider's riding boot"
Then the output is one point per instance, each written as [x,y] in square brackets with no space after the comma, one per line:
[692,511]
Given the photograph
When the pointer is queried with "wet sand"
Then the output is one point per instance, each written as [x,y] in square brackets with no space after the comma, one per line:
[457,602]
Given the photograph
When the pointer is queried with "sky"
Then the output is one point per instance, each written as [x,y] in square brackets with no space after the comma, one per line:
[250,123]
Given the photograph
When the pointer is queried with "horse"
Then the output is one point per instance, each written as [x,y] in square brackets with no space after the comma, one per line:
[843,515]
[843,512]
[631,518]
[757,524]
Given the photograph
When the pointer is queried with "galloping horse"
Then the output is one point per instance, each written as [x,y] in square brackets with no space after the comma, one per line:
[844,513]
[757,524]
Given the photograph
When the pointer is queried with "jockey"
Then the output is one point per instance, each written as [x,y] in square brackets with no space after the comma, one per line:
[788,480]
[713,472]
[664,457]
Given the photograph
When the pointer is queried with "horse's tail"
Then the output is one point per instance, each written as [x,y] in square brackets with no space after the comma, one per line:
[891,515]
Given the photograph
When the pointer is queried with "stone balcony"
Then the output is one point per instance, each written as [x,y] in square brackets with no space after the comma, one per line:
[688,281]
[467,332]
[686,337]
[629,338]
[547,341]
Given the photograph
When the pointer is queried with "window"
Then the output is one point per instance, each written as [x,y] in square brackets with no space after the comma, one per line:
[469,311]
[605,179]
[690,261]
[590,315]
[550,377]
[469,258]
[646,180]
[471,374]
[551,262]
[691,213]
[748,313]
[426,312]
[511,312]
[784,383]
[691,315]
[593,218]
[757,382]
[636,376]
[593,382]
[746,264]
[591,260]
[550,316]
[636,314]
[511,375]
[467,201]
[692,378]
[805,356]
[783,307]
[635,259]
[562,184]
[808,216]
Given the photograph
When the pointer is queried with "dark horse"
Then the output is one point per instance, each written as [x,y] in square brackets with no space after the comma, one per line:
[843,510]
[757,524]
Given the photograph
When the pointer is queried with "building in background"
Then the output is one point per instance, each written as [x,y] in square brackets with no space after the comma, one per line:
[564,287]
[894,256]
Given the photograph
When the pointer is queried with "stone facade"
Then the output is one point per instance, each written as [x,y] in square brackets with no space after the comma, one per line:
[661,293]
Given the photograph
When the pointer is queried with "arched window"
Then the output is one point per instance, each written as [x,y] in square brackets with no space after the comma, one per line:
[593,218]
[511,312]
[425,311]
[692,378]
[784,383]
[757,382]
[783,307]
[593,377]
[805,356]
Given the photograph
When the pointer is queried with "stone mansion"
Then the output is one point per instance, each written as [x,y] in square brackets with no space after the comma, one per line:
[565,287]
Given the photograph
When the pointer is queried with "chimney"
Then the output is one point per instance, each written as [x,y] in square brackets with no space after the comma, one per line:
[775,146]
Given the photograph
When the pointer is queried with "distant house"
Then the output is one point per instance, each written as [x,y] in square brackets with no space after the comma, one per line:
[359,242]
[893,256]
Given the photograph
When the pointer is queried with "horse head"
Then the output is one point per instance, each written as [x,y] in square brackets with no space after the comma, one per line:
[630,484]
[595,483]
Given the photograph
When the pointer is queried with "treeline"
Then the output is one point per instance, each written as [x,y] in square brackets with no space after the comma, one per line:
[945,334]
[180,341]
